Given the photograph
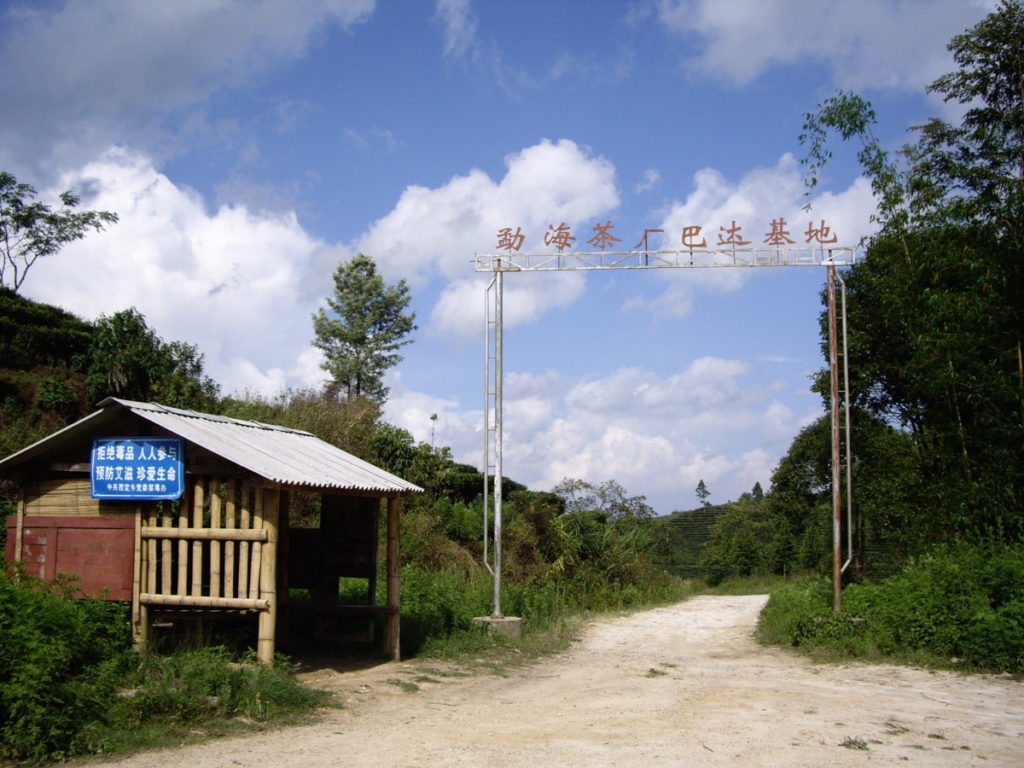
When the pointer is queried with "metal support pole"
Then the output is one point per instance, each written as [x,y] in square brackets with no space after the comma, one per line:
[847,434]
[499,331]
[833,365]
[487,423]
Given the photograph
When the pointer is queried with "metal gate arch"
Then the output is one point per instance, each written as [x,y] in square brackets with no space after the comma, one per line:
[693,258]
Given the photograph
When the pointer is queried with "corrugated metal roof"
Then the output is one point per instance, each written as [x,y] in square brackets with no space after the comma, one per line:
[278,454]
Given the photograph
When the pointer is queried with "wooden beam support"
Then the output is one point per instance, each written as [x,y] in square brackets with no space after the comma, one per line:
[270,513]
[203,534]
[199,601]
[140,622]
[19,530]
[393,621]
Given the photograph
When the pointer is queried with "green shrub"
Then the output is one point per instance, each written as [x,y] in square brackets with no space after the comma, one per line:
[964,603]
[52,651]
[70,685]
[437,604]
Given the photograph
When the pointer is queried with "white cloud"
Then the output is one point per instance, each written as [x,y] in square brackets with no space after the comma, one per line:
[140,61]
[655,435]
[435,232]
[412,411]
[650,180]
[459,27]
[866,44]
[762,196]
[234,282]
[658,436]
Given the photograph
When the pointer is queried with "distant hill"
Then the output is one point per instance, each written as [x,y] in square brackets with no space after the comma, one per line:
[43,357]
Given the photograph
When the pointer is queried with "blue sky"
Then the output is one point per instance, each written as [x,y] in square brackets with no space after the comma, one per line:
[249,147]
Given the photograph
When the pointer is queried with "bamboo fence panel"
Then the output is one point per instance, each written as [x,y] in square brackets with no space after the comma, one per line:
[226,524]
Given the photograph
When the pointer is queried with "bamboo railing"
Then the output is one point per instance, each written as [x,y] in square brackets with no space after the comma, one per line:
[226,535]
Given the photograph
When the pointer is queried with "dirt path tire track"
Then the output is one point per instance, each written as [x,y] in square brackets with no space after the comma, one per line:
[684,685]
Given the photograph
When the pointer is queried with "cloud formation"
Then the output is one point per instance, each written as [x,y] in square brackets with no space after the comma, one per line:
[141,62]
[241,285]
[762,196]
[661,434]
[869,44]
[434,233]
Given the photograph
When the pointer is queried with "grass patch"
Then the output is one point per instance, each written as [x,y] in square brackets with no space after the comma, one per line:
[749,585]
[854,742]
[404,685]
[196,694]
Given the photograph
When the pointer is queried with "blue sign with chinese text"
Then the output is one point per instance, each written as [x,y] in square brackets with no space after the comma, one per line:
[138,468]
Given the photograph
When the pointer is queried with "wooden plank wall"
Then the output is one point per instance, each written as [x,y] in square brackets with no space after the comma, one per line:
[70,497]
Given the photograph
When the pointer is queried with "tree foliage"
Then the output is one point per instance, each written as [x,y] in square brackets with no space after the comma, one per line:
[702,493]
[127,359]
[367,325]
[30,230]
[608,500]
[936,309]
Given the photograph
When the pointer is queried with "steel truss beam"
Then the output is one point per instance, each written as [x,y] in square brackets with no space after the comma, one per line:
[689,258]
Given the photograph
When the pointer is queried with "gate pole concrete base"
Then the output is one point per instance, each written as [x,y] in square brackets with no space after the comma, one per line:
[508,626]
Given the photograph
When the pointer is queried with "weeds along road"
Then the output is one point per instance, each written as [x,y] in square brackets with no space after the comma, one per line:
[684,685]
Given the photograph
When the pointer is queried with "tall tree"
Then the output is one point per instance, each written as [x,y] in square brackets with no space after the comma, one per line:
[703,493]
[366,326]
[30,230]
[937,306]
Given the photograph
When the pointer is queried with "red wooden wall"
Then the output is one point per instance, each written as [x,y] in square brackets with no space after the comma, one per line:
[100,551]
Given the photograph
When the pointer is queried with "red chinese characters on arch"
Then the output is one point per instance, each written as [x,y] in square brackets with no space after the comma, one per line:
[691,236]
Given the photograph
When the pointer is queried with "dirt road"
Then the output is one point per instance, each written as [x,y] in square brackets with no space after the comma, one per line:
[679,686]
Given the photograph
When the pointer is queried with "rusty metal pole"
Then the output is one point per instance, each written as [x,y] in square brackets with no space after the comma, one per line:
[833,365]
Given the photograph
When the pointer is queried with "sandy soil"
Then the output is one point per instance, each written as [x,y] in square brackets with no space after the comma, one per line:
[679,686]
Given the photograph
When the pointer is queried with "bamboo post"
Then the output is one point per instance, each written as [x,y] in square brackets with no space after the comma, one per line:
[198,499]
[139,613]
[150,584]
[281,557]
[215,545]
[271,499]
[182,586]
[229,547]
[371,582]
[393,647]
[19,529]
[256,548]
[201,601]
[166,572]
[243,547]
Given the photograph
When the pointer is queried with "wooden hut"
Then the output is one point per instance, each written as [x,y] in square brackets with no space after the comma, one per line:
[186,513]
